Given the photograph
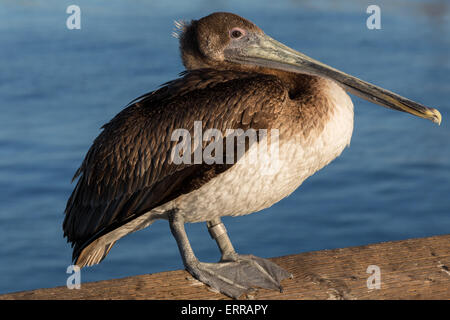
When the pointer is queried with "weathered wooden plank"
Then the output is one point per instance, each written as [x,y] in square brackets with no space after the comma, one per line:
[410,269]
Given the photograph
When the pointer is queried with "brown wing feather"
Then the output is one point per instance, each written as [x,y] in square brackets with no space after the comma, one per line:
[127,171]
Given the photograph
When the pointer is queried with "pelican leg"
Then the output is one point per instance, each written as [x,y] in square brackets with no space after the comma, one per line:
[208,273]
[234,274]
[219,233]
[257,271]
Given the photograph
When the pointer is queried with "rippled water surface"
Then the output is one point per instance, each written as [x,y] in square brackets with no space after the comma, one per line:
[57,87]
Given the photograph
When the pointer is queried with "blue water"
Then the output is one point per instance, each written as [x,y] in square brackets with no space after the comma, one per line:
[58,86]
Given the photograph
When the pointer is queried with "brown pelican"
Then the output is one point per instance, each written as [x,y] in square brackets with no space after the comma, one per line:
[236,77]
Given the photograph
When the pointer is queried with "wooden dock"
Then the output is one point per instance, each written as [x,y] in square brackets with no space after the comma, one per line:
[409,269]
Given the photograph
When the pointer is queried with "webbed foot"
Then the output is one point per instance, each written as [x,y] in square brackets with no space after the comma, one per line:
[238,275]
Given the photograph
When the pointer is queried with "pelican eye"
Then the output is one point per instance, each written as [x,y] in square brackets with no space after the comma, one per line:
[236,33]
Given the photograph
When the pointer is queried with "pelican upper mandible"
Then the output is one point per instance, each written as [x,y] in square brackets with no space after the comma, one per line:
[239,84]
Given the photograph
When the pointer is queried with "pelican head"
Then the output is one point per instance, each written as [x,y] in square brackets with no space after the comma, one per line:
[228,41]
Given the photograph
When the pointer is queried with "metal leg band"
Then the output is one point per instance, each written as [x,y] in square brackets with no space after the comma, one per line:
[217,230]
